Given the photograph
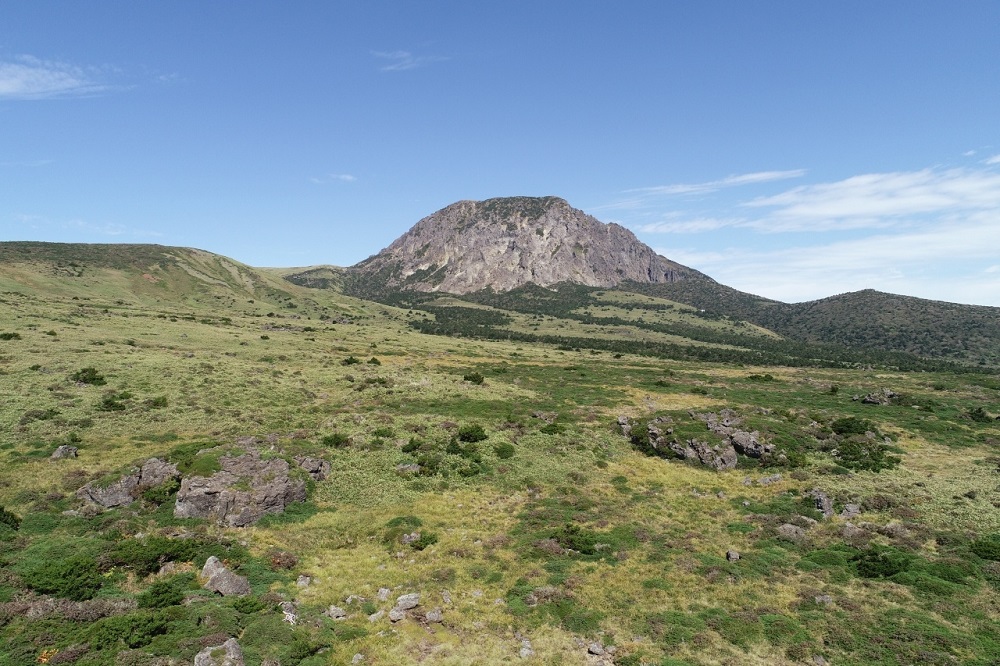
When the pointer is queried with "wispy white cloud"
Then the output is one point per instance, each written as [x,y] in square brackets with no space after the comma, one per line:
[335,178]
[874,200]
[937,262]
[688,226]
[993,160]
[78,227]
[399,61]
[29,78]
[716,185]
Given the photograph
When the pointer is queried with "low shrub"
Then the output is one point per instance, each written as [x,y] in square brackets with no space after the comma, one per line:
[504,451]
[472,433]
[88,375]
[337,440]
[987,547]
[75,578]
[474,378]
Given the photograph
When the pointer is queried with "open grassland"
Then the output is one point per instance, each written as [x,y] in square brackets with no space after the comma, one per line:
[549,533]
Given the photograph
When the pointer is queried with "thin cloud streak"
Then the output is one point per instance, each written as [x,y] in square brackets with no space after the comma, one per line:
[716,185]
[914,262]
[335,178]
[31,78]
[882,195]
[401,61]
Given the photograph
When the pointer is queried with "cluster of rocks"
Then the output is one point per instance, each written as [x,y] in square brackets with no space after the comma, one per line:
[406,605]
[883,396]
[659,433]
[247,487]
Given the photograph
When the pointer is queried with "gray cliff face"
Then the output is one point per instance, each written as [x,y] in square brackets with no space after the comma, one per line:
[505,243]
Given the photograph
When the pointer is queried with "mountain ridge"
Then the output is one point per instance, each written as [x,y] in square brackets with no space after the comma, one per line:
[505,242]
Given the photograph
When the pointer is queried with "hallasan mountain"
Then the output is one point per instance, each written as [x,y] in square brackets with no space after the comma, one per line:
[494,262]
[504,243]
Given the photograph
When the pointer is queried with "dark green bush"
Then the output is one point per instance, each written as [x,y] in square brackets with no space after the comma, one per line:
[158,402]
[979,415]
[113,402]
[413,445]
[987,548]
[552,429]
[474,378]
[336,440]
[88,375]
[350,360]
[133,630]
[426,539]
[472,433]
[882,562]
[9,519]
[162,493]
[163,593]
[75,577]
[504,451]
[852,425]
[865,454]
[10,336]
[576,538]
[374,361]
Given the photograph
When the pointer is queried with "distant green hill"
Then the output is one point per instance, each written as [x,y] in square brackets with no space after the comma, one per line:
[153,276]
[871,319]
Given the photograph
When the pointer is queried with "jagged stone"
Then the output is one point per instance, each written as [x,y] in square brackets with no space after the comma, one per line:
[434,616]
[336,612]
[227,654]
[850,511]
[221,580]
[792,533]
[397,614]
[823,502]
[408,601]
[732,555]
[317,468]
[64,451]
[266,489]
[125,490]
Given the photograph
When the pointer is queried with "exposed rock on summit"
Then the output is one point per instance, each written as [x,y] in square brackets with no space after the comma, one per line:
[508,242]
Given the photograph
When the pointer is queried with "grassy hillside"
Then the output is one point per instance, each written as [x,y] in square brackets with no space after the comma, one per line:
[870,319]
[542,532]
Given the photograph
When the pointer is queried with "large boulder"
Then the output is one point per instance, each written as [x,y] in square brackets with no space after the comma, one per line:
[125,490]
[227,654]
[246,489]
[217,578]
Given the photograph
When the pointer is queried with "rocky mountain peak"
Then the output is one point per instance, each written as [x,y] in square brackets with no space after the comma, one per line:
[506,242]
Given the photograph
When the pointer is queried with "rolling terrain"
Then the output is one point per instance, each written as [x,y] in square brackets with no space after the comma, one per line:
[562,475]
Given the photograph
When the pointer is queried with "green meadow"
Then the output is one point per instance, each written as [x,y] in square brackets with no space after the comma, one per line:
[545,533]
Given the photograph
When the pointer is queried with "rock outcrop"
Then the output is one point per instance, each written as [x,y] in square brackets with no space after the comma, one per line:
[217,578]
[247,488]
[508,242]
[227,654]
[125,490]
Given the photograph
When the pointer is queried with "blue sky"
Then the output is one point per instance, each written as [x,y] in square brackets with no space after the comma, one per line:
[792,149]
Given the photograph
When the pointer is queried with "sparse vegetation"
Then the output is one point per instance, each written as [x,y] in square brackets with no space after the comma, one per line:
[520,487]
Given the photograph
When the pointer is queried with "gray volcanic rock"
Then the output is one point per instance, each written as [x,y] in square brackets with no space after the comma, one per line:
[508,242]
[247,488]
[124,491]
